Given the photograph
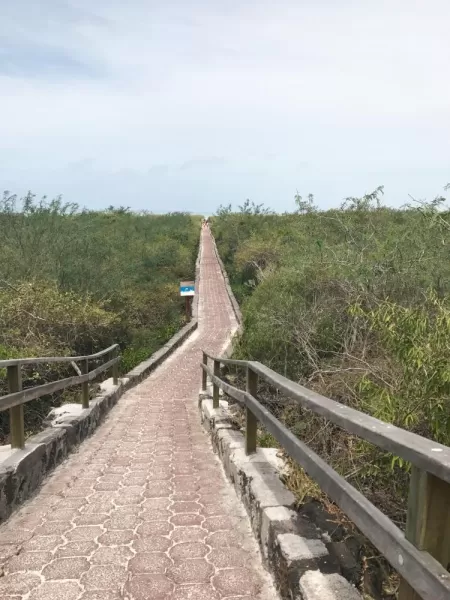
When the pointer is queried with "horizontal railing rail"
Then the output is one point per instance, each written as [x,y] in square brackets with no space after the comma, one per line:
[422,556]
[55,359]
[17,397]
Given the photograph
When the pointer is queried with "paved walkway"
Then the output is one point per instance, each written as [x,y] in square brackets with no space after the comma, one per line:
[143,510]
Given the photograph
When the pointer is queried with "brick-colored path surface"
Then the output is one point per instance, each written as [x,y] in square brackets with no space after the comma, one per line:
[143,510]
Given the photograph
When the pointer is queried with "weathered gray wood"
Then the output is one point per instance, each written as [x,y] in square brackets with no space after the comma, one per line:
[16,424]
[76,368]
[251,421]
[18,398]
[85,385]
[215,386]
[237,395]
[24,396]
[107,365]
[428,522]
[228,361]
[54,359]
[204,373]
[424,453]
[419,568]
[115,368]
[232,362]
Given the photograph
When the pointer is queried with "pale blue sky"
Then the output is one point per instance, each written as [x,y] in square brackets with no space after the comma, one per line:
[183,105]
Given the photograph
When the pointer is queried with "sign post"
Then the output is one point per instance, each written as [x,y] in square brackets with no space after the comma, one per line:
[187,290]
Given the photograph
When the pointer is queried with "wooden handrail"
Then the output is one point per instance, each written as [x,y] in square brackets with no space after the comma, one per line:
[422,452]
[54,359]
[422,556]
[17,397]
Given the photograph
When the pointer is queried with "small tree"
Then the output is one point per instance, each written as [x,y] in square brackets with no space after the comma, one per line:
[370,201]
[305,206]
[250,208]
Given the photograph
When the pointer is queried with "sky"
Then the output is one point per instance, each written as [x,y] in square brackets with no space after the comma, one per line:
[189,104]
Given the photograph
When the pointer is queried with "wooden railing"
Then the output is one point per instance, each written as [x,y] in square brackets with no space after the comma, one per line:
[17,397]
[422,555]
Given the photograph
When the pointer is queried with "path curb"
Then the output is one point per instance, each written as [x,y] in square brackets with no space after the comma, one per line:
[292,547]
[234,303]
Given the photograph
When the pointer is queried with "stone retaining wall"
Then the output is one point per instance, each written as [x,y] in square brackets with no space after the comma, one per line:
[293,548]
[231,296]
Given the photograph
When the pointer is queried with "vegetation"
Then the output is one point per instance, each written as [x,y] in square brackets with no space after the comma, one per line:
[75,281]
[355,304]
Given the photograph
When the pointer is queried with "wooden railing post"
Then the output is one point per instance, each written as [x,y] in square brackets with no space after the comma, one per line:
[204,373]
[85,385]
[17,431]
[115,368]
[216,387]
[428,521]
[251,421]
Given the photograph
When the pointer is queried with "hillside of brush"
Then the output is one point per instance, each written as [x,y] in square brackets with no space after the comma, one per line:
[355,304]
[75,281]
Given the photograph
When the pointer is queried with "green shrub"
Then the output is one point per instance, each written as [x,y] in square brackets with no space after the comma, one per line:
[353,303]
[74,281]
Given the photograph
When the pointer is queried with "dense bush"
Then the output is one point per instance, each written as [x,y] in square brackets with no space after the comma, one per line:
[355,304]
[75,281]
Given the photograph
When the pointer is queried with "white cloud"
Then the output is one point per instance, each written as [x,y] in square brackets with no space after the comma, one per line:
[357,91]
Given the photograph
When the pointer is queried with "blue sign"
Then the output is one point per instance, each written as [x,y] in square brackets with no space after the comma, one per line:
[187,288]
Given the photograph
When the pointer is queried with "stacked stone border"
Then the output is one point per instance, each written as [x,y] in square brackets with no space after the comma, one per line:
[293,549]
[23,471]
[234,303]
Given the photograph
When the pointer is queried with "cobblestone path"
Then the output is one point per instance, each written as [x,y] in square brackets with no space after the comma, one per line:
[142,511]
